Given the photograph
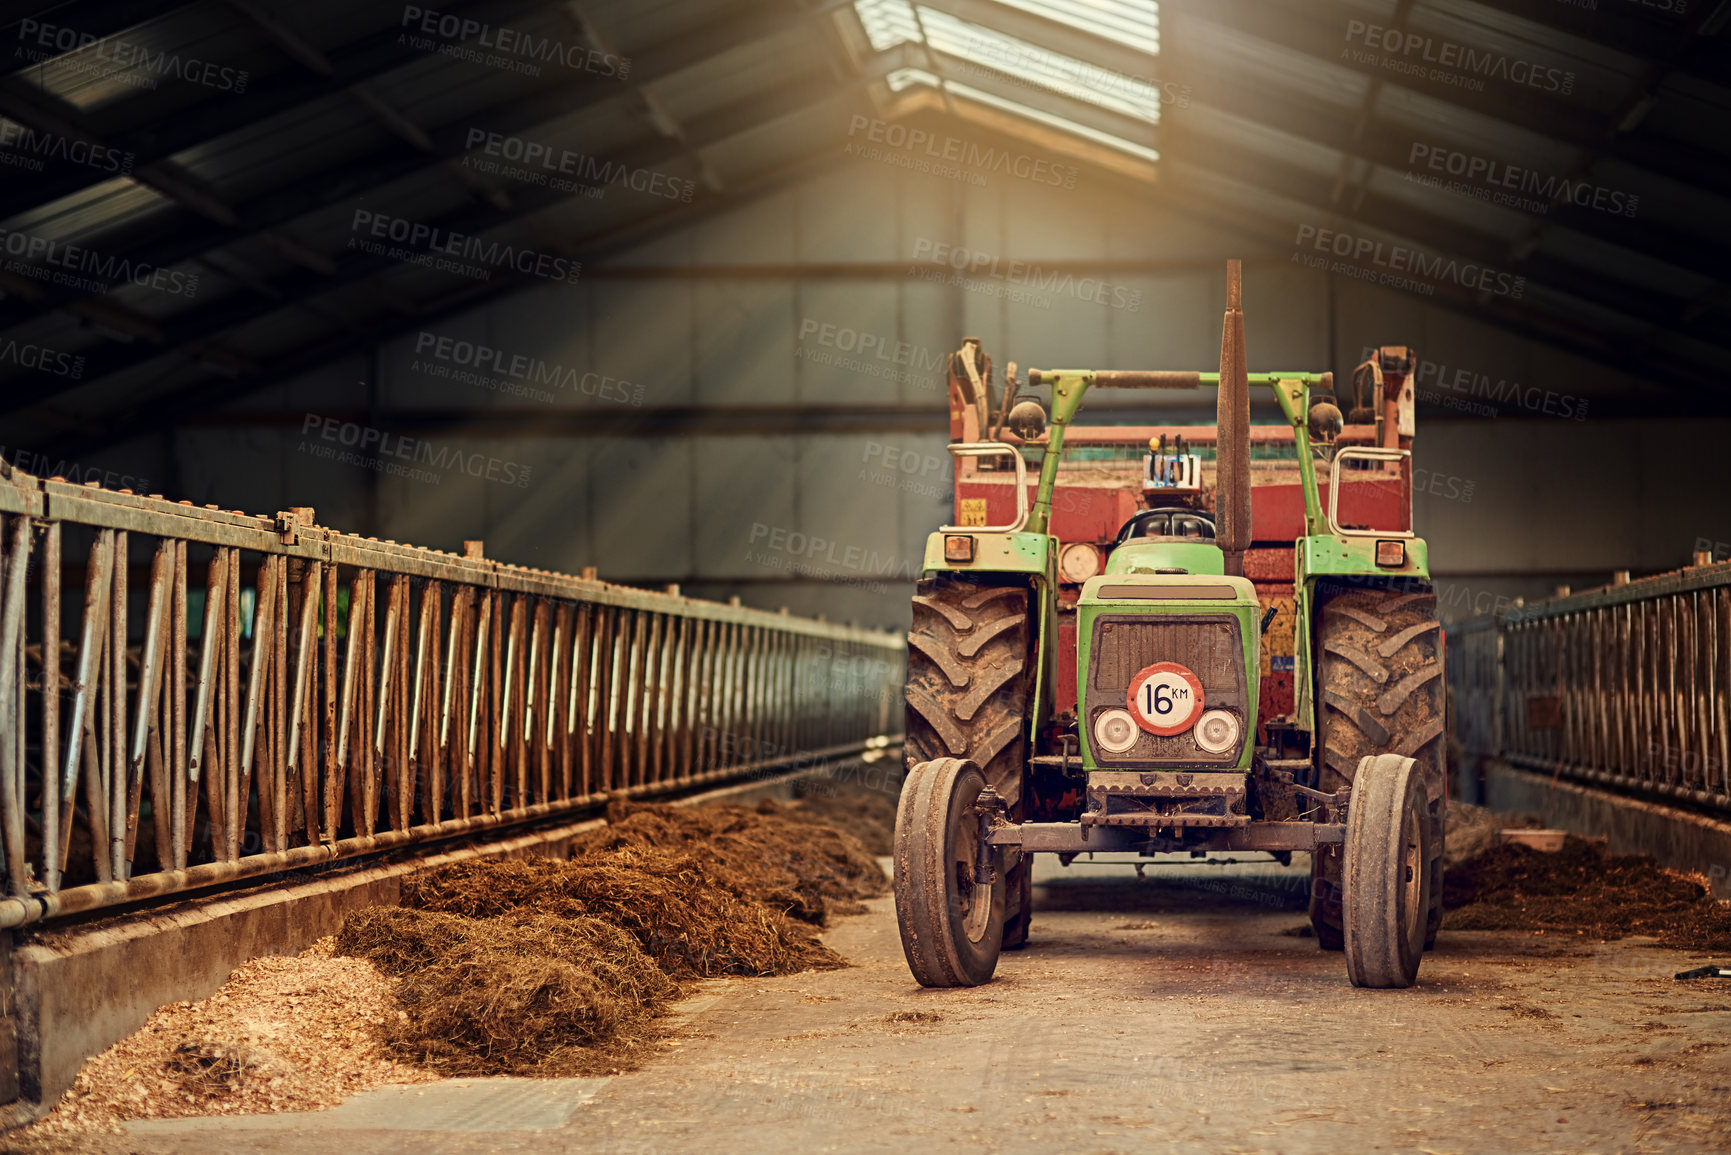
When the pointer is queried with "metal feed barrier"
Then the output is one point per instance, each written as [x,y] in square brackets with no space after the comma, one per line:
[277,694]
[1625,686]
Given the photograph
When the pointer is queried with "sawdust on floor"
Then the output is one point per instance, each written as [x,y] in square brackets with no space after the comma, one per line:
[282,1034]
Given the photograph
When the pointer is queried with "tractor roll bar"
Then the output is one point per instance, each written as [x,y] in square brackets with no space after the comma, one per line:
[1132,378]
[959,449]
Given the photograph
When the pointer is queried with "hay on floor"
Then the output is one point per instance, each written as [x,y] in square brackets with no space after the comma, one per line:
[522,993]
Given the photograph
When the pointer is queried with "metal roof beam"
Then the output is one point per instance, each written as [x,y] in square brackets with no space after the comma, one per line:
[1444,237]
[1329,125]
[165,177]
[98,18]
[1319,32]
[173,133]
[1642,30]
[323,190]
[165,411]
[203,323]
[1641,360]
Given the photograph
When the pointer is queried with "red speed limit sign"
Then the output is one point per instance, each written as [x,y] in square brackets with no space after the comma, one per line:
[1165,698]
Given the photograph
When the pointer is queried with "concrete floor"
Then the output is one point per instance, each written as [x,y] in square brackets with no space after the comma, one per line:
[1173,1014]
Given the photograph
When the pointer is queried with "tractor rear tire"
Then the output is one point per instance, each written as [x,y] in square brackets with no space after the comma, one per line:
[1386,898]
[951,921]
[1325,898]
[1380,690]
[970,655]
[1018,902]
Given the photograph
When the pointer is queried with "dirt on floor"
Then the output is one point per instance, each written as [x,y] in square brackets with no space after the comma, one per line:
[1582,889]
[543,967]
[283,1034]
[528,966]
[1165,1014]
[846,802]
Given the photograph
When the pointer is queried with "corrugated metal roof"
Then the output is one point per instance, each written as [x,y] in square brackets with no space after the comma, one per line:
[559,127]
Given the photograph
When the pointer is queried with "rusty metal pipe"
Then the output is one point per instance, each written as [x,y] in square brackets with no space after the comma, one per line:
[1131,378]
[51,707]
[11,674]
[92,639]
[1232,465]
[262,630]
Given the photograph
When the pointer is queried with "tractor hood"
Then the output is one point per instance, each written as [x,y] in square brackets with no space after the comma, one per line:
[1199,589]
[1167,557]
[1167,664]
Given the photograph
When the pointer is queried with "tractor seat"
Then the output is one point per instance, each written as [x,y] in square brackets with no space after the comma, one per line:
[1171,522]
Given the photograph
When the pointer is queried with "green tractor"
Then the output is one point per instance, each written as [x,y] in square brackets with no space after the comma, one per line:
[1134,691]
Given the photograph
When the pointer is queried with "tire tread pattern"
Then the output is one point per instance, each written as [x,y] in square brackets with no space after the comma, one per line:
[970,658]
[1360,715]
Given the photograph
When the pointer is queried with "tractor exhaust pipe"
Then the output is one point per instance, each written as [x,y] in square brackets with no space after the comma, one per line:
[1232,421]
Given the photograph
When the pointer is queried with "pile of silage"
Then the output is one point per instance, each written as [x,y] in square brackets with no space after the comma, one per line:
[549,967]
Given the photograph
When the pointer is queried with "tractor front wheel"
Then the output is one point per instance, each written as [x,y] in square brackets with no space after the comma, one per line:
[949,911]
[1385,897]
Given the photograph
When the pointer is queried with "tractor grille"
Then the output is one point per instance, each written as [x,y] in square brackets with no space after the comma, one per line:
[1209,644]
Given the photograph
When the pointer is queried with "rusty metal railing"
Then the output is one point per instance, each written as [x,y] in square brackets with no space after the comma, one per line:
[1624,686]
[268,693]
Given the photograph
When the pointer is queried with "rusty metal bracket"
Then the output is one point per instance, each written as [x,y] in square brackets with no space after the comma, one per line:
[288,527]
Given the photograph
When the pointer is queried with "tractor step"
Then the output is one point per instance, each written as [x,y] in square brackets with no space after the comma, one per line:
[1165,798]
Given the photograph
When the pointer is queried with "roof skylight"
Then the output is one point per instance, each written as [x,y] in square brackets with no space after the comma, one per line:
[959,48]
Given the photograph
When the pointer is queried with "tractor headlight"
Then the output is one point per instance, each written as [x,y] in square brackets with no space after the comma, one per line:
[1217,732]
[1115,731]
[1078,562]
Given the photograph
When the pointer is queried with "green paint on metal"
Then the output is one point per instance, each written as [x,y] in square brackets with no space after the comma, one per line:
[1068,389]
[1069,386]
[1293,394]
[1148,557]
[1243,606]
[1321,556]
[1324,555]
[1030,553]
